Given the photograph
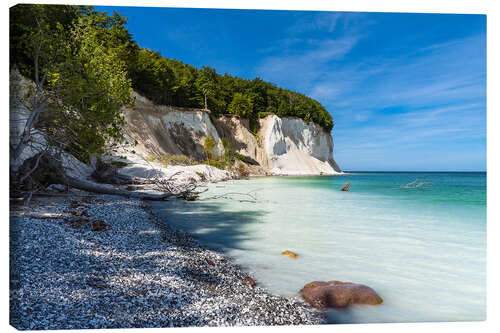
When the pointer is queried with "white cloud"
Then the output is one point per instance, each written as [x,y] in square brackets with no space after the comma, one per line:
[322,22]
[305,66]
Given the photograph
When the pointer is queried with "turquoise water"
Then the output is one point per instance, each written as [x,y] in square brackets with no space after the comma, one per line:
[422,249]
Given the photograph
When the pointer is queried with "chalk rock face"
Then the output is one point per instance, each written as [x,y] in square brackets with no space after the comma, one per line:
[161,129]
[283,146]
[294,147]
[337,294]
[237,130]
[137,166]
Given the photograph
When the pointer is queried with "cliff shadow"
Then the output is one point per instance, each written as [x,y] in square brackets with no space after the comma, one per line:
[208,223]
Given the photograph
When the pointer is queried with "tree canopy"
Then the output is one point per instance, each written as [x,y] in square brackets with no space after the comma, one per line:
[162,80]
[80,73]
[225,94]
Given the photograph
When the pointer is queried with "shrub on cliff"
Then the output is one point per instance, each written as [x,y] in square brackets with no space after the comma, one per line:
[208,146]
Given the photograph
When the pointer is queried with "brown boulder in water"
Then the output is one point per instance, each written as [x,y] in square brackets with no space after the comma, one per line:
[249,281]
[337,294]
[346,187]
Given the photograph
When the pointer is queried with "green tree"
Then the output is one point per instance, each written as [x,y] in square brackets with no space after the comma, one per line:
[80,87]
[24,24]
[153,77]
[93,86]
[207,82]
[241,105]
[163,80]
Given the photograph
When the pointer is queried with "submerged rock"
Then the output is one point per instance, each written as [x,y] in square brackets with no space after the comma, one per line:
[338,294]
[290,254]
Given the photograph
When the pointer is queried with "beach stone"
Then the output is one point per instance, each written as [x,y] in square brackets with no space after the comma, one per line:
[338,294]
[249,281]
[99,225]
[87,200]
[56,187]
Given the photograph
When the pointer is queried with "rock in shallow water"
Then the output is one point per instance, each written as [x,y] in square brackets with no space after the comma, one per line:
[337,294]
[249,281]
[346,186]
[290,254]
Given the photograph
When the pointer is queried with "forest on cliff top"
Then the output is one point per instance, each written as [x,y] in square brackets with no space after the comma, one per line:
[160,79]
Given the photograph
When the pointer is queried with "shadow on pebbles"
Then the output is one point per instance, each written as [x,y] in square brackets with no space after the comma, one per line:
[108,262]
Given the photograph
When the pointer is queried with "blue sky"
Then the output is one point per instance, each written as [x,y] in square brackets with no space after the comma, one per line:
[406,91]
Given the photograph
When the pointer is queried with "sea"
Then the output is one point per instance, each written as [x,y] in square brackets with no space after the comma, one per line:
[417,238]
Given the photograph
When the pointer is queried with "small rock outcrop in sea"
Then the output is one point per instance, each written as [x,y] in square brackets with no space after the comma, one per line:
[346,187]
[338,294]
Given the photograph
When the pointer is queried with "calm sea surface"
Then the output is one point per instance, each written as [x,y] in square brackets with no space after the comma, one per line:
[422,249]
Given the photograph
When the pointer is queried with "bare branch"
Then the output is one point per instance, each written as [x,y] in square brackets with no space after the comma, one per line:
[37,53]
[33,169]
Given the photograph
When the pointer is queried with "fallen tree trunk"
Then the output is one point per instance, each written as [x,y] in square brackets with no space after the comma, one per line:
[107,189]
[41,170]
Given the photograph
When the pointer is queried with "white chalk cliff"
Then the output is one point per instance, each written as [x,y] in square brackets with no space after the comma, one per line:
[283,146]
[163,129]
[294,147]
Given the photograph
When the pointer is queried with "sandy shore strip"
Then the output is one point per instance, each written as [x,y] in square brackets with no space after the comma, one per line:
[128,269]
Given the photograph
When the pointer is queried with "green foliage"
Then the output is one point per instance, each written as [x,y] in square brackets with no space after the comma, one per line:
[24,21]
[119,164]
[95,63]
[171,82]
[219,162]
[229,152]
[223,161]
[92,87]
[243,170]
[151,158]
[151,74]
[86,76]
[177,159]
[239,156]
[241,105]
[208,146]
[206,82]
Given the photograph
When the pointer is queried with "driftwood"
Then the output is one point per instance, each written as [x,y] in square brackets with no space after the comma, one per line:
[107,189]
[42,170]
[415,184]
[107,173]
[238,196]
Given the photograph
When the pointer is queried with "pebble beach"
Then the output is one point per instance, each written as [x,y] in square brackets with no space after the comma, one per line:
[100,261]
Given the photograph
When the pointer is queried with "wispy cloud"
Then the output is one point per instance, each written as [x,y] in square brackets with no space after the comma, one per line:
[427,97]
[320,22]
[305,65]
